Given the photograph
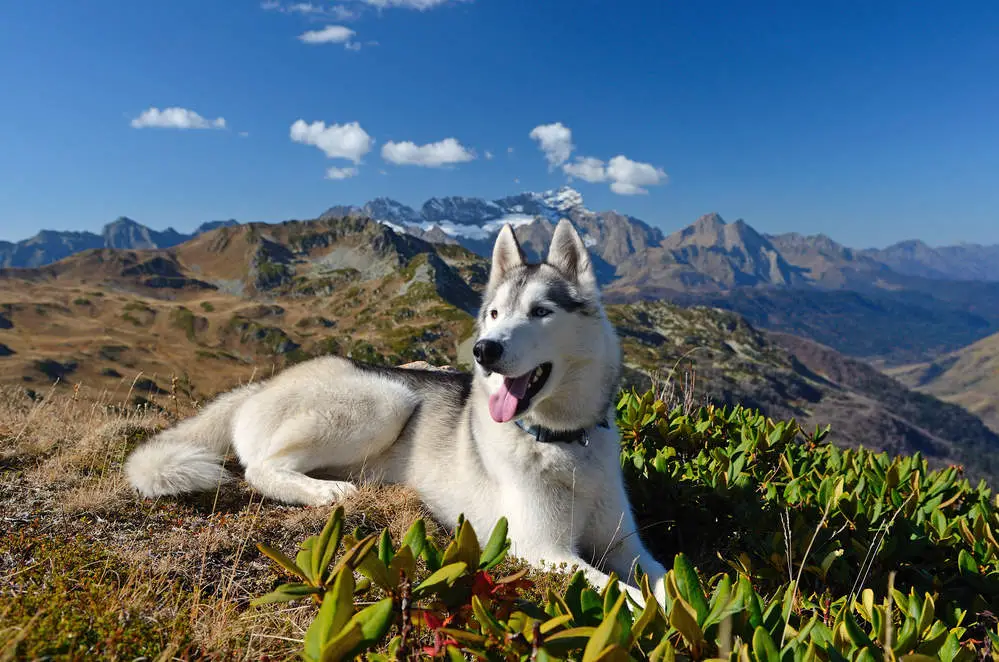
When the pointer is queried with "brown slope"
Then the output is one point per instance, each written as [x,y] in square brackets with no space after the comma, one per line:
[274,295]
[787,376]
[968,377]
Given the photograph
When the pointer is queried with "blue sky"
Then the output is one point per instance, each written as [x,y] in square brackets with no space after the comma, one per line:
[868,121]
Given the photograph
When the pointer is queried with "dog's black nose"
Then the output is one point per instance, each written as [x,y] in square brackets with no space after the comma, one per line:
[487,352]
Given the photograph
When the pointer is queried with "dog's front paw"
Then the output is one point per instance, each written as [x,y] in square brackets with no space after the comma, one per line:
[334,491]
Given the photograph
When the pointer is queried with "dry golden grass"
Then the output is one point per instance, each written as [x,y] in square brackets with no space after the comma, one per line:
[88,570]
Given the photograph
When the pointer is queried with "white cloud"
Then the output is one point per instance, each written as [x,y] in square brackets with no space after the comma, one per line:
[305,8]
[555,140]
[244,134]
[340,173]
[338,141]
[310,10]
[630,177]
[431,155]
[586,168]
[343,13]
[489,155]
[421,5]
[509,150]
[175,118]
[331,34]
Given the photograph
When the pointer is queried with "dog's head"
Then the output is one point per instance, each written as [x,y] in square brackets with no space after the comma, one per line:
[545,348]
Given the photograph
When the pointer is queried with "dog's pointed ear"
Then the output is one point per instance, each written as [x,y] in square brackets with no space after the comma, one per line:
[506,255]
[568,254]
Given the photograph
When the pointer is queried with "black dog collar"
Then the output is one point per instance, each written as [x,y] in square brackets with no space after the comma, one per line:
[546,436]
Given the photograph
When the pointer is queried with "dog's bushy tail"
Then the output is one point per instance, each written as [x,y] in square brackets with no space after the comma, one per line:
[188,457]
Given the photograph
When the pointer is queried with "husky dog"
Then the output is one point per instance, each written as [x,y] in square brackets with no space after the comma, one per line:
[530,435]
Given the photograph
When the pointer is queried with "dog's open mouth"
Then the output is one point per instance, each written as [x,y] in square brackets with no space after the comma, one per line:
[514,395]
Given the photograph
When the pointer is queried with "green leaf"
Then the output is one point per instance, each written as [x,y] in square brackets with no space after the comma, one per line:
[573,596]
[340,646]
[304,559]
[496,547]
[664,652]
[432,556]
[279,557]
[326,546]
[607,633]
[554,622]
[372,567]
[966,563]
[857,635]
[286,593]
[489,624]
[446,576]
[750,601]
[464,547]
[357,553]
[646,618]
[464,636]
[683,618]
[334,613]
[402,562]
[721,602]
[592,606]
[690,586]
[385,551]
[951,647]
[906,637]
[927,614]
[865,655]
[374,621]
[763,646]
[416,538]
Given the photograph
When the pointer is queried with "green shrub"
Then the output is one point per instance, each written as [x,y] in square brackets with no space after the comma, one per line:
[782,547]
[448,604]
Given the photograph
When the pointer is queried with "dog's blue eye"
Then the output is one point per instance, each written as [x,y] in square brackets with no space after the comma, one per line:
[538,311]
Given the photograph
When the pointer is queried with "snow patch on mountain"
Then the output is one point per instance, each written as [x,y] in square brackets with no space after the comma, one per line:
[479,232]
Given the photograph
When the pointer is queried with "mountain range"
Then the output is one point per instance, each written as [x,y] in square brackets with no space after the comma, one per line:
[899,305]
[50,246]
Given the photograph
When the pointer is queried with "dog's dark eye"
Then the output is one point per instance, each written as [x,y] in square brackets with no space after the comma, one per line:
[493,313]
[538,311]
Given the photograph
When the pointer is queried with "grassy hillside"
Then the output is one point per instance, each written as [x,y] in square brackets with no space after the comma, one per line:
[968,377]
[715,356]
[242,302]
[887,559]
[234,303]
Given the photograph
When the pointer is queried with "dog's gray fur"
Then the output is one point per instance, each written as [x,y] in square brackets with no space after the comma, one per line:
[433,431]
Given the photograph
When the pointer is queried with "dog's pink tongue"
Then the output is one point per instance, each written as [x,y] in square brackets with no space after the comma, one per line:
[503,403]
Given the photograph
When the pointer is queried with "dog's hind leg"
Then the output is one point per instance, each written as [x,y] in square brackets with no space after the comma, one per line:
[338,430]
[293,449]
[290,486]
